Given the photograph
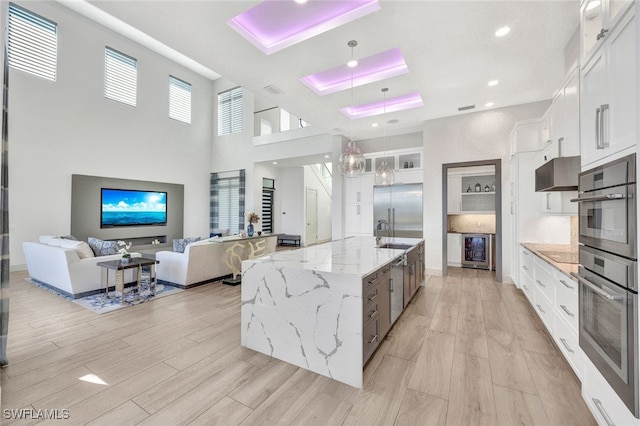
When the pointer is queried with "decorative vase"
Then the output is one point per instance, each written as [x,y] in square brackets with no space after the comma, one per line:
[250,230]
[478,187]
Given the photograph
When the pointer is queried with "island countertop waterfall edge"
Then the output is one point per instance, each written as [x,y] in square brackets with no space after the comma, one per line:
[305,306]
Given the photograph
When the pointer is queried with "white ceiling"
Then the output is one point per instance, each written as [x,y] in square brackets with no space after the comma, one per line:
[449,46]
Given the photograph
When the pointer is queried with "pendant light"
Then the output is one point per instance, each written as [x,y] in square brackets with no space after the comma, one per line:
[352,163]
[384,174]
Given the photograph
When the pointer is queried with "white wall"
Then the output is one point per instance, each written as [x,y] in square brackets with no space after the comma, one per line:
[467,137]
[311,181]
[67,127]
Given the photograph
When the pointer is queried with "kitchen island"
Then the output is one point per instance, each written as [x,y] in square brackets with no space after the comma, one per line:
[325,308]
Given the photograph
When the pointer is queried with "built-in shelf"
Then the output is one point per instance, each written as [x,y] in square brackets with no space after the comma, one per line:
[479,193]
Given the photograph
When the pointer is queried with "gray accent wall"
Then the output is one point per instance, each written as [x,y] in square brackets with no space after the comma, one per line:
[85,210]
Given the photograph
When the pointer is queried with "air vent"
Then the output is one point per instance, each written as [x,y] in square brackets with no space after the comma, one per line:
[464,108]
[272,89]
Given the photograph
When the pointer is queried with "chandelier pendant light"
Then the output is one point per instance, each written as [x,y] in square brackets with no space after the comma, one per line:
[352,163]
[384,174]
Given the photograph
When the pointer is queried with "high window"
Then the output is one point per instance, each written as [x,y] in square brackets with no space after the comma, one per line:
[33,43]
[230,111]
[179,100]
[120,77]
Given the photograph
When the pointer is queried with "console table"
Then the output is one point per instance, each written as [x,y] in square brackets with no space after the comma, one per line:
[119,267]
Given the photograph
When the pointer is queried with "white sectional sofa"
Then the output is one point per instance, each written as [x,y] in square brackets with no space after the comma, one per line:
[68,267]
[208,260]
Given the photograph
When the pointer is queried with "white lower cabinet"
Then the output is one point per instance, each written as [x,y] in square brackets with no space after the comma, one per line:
[554,297]
[605,405]
[454,249]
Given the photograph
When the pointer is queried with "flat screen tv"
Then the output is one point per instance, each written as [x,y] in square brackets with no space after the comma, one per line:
[126,207]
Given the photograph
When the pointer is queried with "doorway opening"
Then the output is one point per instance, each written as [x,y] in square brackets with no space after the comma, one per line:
[472,215]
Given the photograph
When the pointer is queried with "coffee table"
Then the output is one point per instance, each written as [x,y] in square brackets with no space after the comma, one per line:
[119,267]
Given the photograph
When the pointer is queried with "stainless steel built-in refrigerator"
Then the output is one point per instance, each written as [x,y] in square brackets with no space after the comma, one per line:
[397,210]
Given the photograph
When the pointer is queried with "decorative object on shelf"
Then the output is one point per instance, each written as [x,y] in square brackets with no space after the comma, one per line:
[384,173]
[469,188]
[352,162]
[478,187]
[406,164]
[411,165]
[124,251]
[259,233]
[252,218]
[486,188]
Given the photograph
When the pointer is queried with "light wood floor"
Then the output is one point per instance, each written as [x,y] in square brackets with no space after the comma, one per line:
[467,351]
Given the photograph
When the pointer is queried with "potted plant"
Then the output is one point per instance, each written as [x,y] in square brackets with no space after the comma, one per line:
[124,251]
[252,218]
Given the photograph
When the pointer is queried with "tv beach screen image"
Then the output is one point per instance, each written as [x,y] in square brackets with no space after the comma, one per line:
[127,208]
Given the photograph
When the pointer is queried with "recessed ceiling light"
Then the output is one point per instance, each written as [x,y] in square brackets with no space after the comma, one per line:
[399,103]
[301,1]
[374,125]
[488,104]
[501,32]
[326,156]
[593,4]
[493,83]
[352,63]
[275,162]
[275,25]
[373,68]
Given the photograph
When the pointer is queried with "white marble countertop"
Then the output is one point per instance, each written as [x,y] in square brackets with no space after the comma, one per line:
[355,255]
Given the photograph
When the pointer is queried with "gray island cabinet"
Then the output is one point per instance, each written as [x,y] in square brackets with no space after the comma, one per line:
[327,307]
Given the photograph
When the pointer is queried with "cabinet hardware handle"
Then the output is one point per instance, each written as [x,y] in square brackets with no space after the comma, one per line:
[373,314]
[525,253]
[358,196]
[358,209]
[566,345]
[601,34]
[564,308]
[391,285]
[598,145]
[373,339]
[540,309]
[604,132]
[372,298]
[602,411]
[566,285]
[373,280]
[548,201]
[525,268]
[540,284]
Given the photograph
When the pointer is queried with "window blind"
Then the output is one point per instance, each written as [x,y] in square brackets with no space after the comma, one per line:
[120,77]
[33,43]
[230,111]
[229,204]
[179,100]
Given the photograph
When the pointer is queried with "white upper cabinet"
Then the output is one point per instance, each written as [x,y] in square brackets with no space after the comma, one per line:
[597,21]
[454,194]
[526,136]
[561,122]
[607,98]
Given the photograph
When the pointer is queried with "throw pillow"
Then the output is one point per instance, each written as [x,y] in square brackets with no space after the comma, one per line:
[180,244]
[103,248]
[80,247]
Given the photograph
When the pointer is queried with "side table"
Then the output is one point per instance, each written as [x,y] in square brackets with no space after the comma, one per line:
[119,267]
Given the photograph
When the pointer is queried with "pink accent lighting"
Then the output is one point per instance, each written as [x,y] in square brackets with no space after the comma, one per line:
[370,69]
[273,25]
[399,103]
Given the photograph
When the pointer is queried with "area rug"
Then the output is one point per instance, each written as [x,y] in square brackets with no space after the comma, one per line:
[100,304]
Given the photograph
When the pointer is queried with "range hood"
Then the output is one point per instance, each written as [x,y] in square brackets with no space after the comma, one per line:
[558,174]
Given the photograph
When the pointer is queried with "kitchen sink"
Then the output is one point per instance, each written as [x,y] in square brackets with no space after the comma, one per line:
[396,246]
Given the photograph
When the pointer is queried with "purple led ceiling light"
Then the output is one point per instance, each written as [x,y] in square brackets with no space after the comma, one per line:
[399,103]
[273,25]
[370,69]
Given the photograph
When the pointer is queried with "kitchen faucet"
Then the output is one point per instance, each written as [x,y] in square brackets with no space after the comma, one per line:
[378,226]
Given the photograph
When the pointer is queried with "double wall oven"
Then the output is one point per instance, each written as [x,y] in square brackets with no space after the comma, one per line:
[608,274]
